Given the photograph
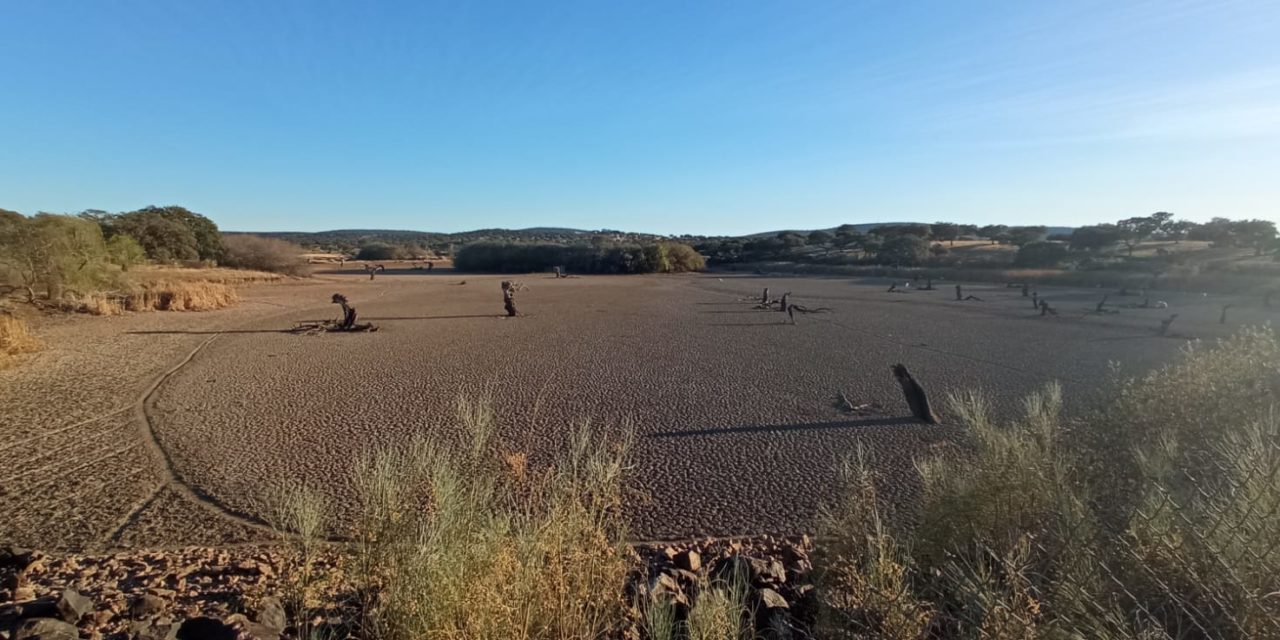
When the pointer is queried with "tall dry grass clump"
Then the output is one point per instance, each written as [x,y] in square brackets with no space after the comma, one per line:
[1156,517]
[15,339]
[459,539]
[196,295]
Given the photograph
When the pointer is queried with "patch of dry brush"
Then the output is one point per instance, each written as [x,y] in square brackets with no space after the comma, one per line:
[15,339]
[159,296]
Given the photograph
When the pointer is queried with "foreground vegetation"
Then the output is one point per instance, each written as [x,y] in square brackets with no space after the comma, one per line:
[1157,516]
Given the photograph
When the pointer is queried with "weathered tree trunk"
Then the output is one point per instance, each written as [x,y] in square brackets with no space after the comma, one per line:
[509,298]
[917,400]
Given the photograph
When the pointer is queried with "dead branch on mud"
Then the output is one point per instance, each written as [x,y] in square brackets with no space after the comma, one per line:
[347,324]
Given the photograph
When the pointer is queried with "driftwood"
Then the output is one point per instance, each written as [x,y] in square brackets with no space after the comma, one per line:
[917,400]
[346,324]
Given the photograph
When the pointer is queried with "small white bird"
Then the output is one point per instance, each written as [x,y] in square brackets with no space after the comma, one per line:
[1161,304]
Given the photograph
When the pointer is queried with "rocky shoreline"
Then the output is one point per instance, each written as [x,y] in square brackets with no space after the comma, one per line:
[242,593]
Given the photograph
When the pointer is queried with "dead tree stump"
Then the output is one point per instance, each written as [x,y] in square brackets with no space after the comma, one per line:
[785,302]
[509,298]
[917,400]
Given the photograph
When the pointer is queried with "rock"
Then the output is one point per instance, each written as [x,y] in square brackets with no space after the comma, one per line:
[72,606]
[146,605]
[770,599]
[203,628]
[45,629]
[689,561]
[42,608]
[271,614]
[250,630]
[754,571]
[148,630]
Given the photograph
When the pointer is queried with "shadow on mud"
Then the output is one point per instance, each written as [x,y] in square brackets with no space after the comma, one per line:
[810,426]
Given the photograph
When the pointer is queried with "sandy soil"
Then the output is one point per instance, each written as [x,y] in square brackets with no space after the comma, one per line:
[167,429]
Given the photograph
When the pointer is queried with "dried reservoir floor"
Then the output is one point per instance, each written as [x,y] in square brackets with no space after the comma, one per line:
[172,429]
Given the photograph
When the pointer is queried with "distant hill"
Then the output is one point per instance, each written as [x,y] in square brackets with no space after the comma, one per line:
[350,240]
[866,226]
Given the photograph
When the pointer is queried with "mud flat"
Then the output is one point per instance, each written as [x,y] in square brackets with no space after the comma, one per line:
[154,422]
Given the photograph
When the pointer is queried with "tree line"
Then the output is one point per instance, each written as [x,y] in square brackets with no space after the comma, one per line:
[596,257]
[916,244]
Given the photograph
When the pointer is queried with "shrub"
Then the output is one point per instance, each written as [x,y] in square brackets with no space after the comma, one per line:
[463,540]
[55,254]
[246,251]
[1041,255]
[378,251]
[1155,518]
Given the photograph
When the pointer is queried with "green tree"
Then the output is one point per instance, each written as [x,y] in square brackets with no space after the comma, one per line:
[1178,229]
[906,250]
[1133,231]
[994,232]
[1019,236]
[125,252]
[1096,237]
[1257,234]
[1041,254]
[947,231]
[53,253]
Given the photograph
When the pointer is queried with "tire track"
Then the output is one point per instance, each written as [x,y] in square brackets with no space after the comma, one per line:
[169,476]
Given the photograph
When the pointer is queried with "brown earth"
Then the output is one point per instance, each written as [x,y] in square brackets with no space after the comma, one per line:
[165,429]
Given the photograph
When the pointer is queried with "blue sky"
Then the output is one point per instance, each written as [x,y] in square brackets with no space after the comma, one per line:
[671,117]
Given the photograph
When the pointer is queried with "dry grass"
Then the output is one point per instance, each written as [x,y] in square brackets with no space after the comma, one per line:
[458,541]
[160,296]
[216,275]
[15,339]
[1156,518]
